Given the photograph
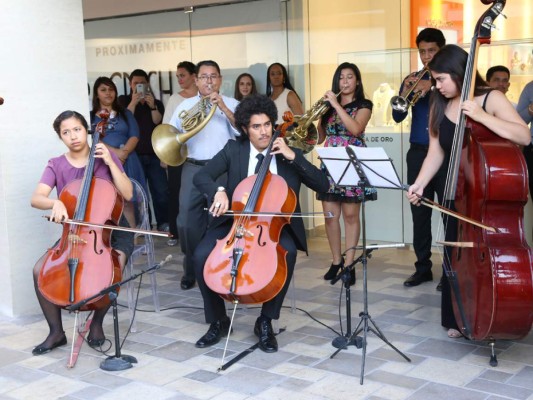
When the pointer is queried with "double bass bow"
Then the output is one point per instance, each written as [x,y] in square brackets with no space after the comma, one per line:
[491,278]
[249,264]
[83,262]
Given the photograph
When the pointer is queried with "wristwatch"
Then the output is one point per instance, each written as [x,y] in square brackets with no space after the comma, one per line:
[221,189]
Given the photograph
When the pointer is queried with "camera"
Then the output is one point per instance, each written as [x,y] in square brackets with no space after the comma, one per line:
[140,88]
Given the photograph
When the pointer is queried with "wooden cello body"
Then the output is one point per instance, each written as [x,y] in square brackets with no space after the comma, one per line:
[83,262]
[249,265]
[491,279]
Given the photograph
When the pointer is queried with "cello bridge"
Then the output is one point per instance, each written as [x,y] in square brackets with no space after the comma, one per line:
[75,239]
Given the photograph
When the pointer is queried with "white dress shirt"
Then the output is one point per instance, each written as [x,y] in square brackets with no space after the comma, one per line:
[252,161]
[212,138]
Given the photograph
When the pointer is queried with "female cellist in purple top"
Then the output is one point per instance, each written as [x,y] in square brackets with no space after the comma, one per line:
[71,127]
[489,108]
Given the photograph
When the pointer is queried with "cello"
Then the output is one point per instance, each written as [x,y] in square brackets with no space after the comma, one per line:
[491,276]
[83,262]
[249,265]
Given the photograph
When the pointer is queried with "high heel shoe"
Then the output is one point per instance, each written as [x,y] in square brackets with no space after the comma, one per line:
[42,349]
[333,270]
[352,277]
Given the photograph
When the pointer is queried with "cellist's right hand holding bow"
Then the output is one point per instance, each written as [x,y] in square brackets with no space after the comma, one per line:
[220,204]
[414,193]
[59,212]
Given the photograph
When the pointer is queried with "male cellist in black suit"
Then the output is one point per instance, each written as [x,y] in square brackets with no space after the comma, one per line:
[254,118]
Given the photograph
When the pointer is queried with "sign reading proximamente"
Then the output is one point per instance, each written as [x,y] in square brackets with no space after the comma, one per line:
[127,54]
[145,48]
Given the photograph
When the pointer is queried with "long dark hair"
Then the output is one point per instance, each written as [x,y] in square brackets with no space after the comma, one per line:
[451,59]
[286,82]
[359,93]
[104,80]
[237,93]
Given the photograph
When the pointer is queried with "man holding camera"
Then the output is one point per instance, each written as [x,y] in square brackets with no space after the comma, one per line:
[148,113]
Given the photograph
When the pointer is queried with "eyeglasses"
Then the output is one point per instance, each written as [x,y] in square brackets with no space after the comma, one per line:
[208,77]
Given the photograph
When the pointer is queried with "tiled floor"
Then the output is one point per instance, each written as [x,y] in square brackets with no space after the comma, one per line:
[170,367]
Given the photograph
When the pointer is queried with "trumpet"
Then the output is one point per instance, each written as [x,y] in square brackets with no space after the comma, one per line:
[169,144]
[399,103]
[302,133]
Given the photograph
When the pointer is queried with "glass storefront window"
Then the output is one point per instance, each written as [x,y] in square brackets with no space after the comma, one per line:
[311,37]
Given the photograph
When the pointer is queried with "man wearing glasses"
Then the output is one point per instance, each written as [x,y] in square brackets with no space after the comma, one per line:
[192,219]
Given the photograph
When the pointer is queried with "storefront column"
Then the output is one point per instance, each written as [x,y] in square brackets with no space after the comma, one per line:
[43,72]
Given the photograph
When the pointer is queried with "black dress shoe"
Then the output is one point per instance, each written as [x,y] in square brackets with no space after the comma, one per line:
[42,349]
[96,343]
[333,270]
[416,279]
[187,283]
[267,341]
[439,286]
[214,333]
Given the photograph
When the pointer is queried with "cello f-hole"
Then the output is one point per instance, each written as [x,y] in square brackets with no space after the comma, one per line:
[260,227]
[96,251]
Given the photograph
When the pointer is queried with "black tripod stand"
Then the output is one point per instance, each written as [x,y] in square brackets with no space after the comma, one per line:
[366,323]
[342,342]
[119,361]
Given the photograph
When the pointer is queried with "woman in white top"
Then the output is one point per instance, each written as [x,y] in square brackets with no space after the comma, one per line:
[280,90]
[186,74]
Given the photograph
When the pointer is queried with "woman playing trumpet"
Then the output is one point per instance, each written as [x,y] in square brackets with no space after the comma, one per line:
[342,125]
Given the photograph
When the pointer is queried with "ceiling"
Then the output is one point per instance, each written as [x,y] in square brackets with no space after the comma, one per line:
[99,9]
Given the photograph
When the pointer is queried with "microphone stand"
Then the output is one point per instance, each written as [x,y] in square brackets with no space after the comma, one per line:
[342,342]
[119,361]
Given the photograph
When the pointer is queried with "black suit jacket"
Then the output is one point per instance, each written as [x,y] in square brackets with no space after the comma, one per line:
[233,159]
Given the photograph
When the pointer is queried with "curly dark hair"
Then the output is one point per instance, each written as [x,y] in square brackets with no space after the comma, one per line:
[253,105]
[66,115]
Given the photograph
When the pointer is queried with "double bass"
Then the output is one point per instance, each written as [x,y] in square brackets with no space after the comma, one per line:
[249,265]
[491,279]
[83,262]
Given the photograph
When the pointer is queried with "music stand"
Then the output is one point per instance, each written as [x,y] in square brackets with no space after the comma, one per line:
[364,167]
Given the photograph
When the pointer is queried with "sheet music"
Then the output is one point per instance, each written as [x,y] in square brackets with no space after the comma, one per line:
[376,165]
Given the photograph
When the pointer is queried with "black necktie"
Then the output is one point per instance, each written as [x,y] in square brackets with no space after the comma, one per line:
[260,158]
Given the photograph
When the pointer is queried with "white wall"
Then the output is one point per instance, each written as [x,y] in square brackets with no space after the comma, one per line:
[43,73]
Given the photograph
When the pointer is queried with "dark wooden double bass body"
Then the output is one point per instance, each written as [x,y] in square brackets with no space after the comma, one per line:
[495,275]
[493,294]
[83,262]
[249,265]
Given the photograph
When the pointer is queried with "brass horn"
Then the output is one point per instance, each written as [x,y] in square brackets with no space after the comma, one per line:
[304,135]
[402,104]
[169,144]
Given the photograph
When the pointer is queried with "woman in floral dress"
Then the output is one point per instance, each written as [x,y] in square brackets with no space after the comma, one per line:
[342,125]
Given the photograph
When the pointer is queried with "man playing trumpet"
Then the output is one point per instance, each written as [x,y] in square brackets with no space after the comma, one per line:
[429,41]
[192,219]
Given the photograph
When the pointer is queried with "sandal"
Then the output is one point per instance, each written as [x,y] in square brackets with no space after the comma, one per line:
[454,333]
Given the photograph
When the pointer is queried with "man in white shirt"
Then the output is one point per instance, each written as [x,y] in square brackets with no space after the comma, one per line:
[192,219]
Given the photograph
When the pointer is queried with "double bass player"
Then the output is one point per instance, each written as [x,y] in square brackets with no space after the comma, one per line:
[489,108]
[255,117]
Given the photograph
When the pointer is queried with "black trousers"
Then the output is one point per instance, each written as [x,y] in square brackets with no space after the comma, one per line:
[174,185]
[421,215]
[214,305]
